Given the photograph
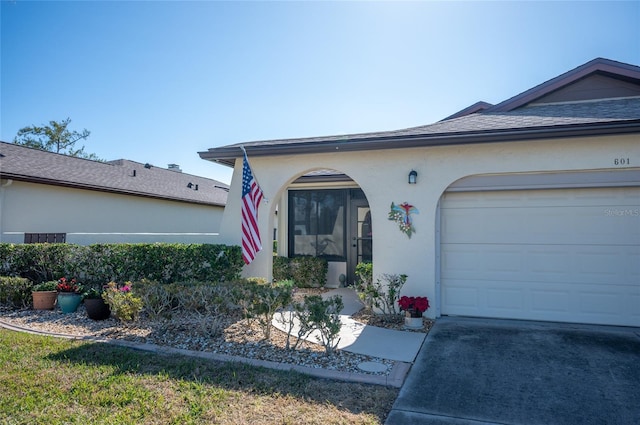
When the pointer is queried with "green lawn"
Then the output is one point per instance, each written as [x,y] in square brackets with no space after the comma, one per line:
[44,380]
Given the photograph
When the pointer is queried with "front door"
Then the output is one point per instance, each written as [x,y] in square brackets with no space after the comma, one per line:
[360,237]
[334,224]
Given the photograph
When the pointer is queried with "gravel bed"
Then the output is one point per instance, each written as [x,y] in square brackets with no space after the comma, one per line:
[223,335]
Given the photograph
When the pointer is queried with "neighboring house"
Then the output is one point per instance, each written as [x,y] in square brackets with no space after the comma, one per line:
[48,197]
[528,209]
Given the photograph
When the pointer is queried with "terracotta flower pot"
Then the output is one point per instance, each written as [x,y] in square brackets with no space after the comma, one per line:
[44,300]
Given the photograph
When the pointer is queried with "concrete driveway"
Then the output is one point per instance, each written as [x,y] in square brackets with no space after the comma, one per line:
[481,371]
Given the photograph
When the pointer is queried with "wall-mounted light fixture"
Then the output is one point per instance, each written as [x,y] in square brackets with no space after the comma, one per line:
[413,177]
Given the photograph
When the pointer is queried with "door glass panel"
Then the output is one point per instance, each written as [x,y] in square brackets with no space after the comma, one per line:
[365,233]
[318,223]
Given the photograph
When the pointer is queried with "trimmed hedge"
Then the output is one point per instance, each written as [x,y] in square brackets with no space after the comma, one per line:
[305,271]
[15,291]
[100,263]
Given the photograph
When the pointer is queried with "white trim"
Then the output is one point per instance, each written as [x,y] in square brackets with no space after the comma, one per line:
[124,233]
[556,180]
[438,265]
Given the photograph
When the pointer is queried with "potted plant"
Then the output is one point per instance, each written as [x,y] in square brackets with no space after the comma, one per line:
[68,295]
[44,295]
[413,308]
[97,308]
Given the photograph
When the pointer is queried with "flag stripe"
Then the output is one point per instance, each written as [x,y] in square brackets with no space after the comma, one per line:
[251,197]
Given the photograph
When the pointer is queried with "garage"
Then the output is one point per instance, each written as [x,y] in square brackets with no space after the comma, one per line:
[561,254]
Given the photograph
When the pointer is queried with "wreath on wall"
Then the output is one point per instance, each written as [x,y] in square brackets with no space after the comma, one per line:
[401,214]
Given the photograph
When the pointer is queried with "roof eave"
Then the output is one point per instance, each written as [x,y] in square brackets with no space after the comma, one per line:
[73,185]
[227,155]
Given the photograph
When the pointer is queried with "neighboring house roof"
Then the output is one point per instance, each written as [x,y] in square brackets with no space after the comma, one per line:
[599,97]
[121,176]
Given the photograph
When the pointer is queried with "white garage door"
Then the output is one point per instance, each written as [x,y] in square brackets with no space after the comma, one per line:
[569,255]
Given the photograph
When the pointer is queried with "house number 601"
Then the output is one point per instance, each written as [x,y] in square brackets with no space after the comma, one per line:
[621,161]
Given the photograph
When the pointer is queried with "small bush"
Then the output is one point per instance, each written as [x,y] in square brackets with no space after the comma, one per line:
[266,300]
[382,294]
[15,291]
[307,272]
[324,316]
[364,272]
[281,269]
[158,300]
[122,302]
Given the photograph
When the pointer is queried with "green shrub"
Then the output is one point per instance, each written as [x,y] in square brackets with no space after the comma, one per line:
[38,262]
[123,303]
[159,300]
[205,298]
[288,283]
[324,316]
[15,291]
[99,263]
[306,271]
[364,272]
[309,272]
[281,269]
[383,294]
[259,300]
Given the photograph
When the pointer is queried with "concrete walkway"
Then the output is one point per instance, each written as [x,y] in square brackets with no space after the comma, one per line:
[368,340]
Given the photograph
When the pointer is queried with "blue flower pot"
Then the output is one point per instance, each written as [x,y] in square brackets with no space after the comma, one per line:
[68,301]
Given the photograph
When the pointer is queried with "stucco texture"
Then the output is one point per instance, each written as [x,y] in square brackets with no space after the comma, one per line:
[382,175]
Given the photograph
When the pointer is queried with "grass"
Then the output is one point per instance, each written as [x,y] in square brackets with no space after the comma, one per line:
[44,380]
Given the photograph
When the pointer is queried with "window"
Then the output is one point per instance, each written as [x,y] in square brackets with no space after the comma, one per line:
[45,237]
[317,223]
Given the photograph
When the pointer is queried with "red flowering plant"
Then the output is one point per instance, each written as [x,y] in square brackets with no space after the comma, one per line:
[65,285]
[414,306]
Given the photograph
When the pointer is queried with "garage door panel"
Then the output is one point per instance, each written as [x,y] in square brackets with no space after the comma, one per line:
[462,298]
[550,300]
[561,255]
[551,262]
[581,225]
[508,300]
[501,262]
[617,305]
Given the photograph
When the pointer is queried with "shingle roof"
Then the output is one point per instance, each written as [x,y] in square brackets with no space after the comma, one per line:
[515,119]
[33,165]
[576,118]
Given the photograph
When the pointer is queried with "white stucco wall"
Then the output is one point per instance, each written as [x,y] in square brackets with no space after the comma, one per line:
[99,217]
[382,175]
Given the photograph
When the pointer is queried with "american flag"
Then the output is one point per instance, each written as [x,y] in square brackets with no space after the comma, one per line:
[251,197]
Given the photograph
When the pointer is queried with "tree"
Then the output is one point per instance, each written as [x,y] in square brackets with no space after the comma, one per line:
[55,137]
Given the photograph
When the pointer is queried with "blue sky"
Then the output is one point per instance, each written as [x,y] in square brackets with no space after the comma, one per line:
[159,81]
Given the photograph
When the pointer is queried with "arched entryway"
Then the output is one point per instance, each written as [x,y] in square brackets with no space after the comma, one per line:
[327,216]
